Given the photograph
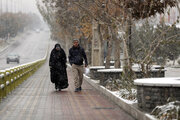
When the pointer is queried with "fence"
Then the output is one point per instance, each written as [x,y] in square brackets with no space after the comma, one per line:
[12,77]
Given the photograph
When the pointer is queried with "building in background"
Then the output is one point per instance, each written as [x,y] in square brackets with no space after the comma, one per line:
[171,16]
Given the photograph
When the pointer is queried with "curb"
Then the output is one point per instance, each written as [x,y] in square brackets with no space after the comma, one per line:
[3,49]
[12,41]
[130,109]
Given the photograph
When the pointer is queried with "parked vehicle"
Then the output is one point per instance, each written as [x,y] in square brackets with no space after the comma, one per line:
[13,58]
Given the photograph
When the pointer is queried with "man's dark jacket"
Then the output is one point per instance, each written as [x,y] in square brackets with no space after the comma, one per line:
[77,55]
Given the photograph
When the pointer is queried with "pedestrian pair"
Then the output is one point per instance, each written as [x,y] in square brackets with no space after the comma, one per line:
[57,63]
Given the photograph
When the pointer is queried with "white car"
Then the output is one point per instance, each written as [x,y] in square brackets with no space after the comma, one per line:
[13,58]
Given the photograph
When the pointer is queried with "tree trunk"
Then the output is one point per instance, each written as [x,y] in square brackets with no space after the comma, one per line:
[126,57]
[129,23]
[96,45]
[178,6]
[126,66]
[117,63]
[109,48]
[102,45]
[174,60]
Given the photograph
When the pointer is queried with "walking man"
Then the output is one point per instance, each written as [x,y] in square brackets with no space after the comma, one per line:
[76,57]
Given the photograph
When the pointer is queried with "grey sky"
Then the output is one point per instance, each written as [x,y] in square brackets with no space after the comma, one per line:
[19,5]
[30,5]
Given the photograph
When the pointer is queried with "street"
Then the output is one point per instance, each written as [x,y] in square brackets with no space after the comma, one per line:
[30,47]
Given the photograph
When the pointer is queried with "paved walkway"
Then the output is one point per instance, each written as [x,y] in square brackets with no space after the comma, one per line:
[36,99]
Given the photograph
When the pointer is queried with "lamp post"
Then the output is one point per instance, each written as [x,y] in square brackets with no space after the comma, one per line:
[1,7]
[7,6]
[10,6]
[0,11]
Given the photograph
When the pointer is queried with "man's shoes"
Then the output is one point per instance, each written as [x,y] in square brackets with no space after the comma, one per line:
[78,89]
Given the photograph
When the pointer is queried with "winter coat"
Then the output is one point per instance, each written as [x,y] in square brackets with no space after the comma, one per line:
[57,63]
[77,55]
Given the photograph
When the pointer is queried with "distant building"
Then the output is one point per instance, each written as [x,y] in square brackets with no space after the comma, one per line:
[171,15]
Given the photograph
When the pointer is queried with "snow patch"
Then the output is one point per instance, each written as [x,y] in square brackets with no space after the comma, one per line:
[174,82]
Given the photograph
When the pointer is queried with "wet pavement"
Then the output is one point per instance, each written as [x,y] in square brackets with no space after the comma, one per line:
[36,99]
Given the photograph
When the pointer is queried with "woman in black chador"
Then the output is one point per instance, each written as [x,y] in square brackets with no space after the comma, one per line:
[57,63]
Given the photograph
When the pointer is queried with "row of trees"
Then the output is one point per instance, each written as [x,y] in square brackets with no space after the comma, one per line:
[12,23]
[116,25]
[146,35]
[117,31]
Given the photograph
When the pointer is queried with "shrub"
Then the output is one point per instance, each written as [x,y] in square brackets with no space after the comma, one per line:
[178,61]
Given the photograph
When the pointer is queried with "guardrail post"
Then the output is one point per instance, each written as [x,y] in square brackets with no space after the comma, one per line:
[11,80]
[21,75]
[7,79]
[3,83]
[15,77]
[2,86]
[18,76]
[26,74]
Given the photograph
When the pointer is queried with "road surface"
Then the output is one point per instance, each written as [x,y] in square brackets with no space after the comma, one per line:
[30,47]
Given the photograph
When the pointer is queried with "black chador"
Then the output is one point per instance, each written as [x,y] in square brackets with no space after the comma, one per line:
[57,63]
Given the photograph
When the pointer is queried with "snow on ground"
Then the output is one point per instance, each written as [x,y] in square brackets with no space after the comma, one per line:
[174,81]
[168,81]
[99,67]
[120,93]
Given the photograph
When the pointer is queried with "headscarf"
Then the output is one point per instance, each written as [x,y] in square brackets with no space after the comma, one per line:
[57,45]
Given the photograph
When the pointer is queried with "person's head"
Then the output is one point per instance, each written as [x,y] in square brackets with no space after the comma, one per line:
[57,46]
[75,42]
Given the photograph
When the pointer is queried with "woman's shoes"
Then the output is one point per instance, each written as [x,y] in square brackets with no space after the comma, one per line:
[56,87]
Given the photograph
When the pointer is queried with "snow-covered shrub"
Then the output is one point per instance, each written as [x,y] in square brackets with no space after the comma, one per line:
[170,111]
[129,95]
[113,85]
[178,61]
[125,91]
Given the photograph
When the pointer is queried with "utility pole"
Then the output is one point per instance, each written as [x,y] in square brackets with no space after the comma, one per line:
[11,6]
[1,8]
[21,7]
[7,6]
[15,7]
[1,11]
[7,24]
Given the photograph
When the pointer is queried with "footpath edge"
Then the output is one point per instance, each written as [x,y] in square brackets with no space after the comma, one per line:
[130,109]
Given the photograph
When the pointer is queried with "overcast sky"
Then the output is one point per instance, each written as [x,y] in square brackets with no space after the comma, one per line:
[30,5]
[20,5]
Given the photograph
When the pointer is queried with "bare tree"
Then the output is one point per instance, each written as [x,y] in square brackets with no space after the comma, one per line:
[112,14]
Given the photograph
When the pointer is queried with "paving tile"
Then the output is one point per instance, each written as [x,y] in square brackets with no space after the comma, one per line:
[36,99]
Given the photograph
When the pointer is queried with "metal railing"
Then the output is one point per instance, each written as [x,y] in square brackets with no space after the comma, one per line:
[12,77]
